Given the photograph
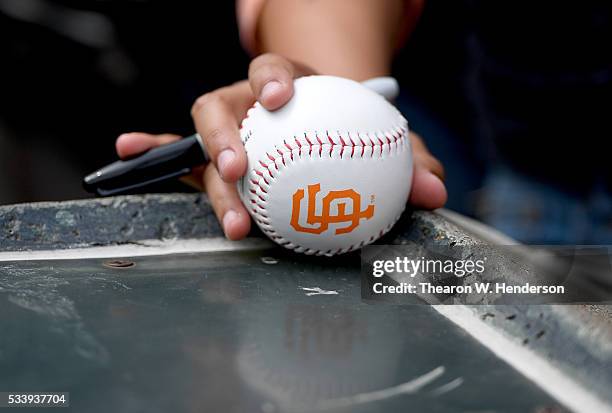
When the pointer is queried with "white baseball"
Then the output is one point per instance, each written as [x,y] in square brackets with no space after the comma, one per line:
[330,171]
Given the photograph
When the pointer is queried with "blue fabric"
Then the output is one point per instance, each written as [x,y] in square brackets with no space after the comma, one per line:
[521,206]
[462,164]
[535,213]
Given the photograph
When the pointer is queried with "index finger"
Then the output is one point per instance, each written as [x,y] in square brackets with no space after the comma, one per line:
[216,116]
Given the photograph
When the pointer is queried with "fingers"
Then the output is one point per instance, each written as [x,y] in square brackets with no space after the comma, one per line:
[424,158]
[217,124]
[130,144]
[226,202]
[217,114]
[223,196]
[271,79]
[428,189]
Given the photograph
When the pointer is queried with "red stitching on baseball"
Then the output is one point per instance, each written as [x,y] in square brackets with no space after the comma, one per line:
[258,172]
[351,139]
[400,136]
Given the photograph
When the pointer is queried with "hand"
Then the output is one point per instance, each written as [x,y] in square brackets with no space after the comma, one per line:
[217,116]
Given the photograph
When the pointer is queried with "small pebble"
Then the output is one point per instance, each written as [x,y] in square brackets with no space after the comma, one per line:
[269,260]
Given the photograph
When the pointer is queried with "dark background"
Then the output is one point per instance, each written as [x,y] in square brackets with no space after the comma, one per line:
[76,74]
[126,66]
[526,85]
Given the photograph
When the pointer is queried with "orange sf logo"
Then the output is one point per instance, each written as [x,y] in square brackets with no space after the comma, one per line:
[321,222]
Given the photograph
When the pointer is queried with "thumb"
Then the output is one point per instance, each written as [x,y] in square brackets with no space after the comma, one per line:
[271,79]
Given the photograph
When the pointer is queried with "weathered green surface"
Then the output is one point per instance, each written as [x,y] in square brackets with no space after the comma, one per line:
[227,332]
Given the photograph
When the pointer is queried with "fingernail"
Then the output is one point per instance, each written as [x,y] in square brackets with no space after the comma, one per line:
[229,216]
[270,89]
[225,158]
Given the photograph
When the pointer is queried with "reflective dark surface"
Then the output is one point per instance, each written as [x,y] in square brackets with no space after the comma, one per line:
[238,332]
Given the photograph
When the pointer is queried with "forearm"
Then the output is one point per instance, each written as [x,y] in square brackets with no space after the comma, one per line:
[350,38]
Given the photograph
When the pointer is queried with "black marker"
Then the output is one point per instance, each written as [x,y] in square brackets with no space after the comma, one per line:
[159,164]
[177,159]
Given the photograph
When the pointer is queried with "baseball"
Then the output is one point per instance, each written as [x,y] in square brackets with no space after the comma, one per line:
[330,171]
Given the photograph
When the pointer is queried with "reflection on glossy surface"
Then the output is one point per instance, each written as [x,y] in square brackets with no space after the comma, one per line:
[227,332]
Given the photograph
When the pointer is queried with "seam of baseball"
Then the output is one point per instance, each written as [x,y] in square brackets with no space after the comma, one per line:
[266,171]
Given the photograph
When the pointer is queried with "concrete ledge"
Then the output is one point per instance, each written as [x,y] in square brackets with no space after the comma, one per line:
[132,218]
[106,221]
